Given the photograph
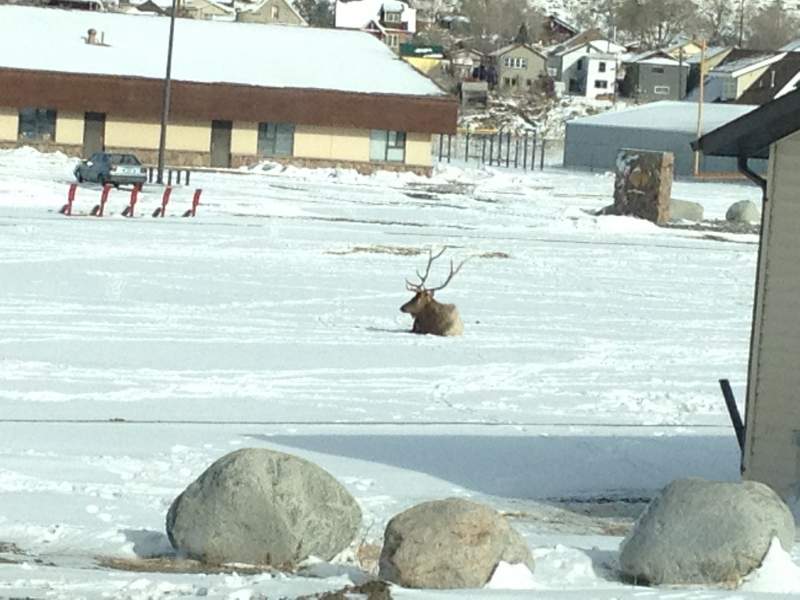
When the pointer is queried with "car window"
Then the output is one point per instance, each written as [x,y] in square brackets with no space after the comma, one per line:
[129,159]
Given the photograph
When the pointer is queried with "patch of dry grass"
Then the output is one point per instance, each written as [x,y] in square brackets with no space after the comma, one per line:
[176,565]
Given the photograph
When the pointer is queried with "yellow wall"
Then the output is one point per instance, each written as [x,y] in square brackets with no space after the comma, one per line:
[418,149]
[9,124]
[192,137]
[244,138]
[331,143]
[426,65]
[745,81]
[69,128]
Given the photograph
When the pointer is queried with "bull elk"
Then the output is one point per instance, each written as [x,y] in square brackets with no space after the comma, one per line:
[429,315]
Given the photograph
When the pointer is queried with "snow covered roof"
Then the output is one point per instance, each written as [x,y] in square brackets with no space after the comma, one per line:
[252,7]
[206,52]
[671,116]
[356,14]
[793,46]
[739,66]
[709,53]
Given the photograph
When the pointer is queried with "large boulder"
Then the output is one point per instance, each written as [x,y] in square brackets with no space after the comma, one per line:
[743,212]
[685,210]
[705,532]
[447,544]
[263,507]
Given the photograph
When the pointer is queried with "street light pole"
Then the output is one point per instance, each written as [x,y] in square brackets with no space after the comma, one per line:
[166,97]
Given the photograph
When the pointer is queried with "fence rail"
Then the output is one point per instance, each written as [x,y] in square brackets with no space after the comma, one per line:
[501,149]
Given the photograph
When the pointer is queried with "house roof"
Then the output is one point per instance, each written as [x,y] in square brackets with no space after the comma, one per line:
[648,55]
[751,134]
[562,22]
[741,61]
[709,53]
[793,46]
[356,14]
[778,80]
[576,40]
[206,52]
[510,47]
[252,7]
[672,116]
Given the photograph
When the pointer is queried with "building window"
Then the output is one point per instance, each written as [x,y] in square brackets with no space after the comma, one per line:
[392,40]
[391,17]
[276,13]
[657,70]
[600,84]
[580,65]
[661,90]
[601,67]
[507,81]
[37,124]
[529,82]
[515,62]
[275,139]
[387,146]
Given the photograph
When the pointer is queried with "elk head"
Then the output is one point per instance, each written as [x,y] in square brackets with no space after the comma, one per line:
[423,296]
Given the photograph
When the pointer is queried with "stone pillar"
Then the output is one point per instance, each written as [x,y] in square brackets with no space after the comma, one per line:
[643,185]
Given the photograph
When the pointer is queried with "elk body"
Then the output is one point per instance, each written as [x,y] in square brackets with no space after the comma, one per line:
[429,315]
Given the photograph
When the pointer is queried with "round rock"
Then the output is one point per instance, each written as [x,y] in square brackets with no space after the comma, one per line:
[743,212]
[705,532]
[448,544]
[263,507]
[683,210]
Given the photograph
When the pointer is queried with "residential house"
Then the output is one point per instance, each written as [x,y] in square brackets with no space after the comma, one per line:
[269,11]
[392,21]
[654,75]
[683,48]
[780,78]
[226,110]
[589,69]
[733,76]
[710,58]
[206,9]
[466,63]
[518,68]
[772,406]
[556,29]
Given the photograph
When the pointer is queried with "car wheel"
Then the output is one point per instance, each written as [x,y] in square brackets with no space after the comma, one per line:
[78,176]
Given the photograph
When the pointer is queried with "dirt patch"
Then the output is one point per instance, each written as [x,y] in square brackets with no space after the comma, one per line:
[493,255]
[175,565]
[379,249]
[372,590]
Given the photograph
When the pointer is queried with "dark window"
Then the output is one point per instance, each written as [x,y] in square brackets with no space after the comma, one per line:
[580,65]
[275,139]
[657,70]
[37,124]
[601,67]
[600,84]
[388,146]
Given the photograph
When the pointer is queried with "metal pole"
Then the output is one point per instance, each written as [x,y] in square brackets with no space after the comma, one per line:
[167,92]
[525,152]
[449,142]
[516,152]
[483,150]
[508,150]
[733,412]
[466,152]
[541,162]
[533,152]
[441,144]
[700,105]
[491,149]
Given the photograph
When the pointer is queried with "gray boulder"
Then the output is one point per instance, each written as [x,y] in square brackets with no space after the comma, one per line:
[685,210]
[263,507]
[448,544]
[705,532]
[743,212]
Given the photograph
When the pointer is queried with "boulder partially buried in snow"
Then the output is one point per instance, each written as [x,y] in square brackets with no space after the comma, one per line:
[705,532]
[685,210]
[448,544]
[263,507]
[743,212]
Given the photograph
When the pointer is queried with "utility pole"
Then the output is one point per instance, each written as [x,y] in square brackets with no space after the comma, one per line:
[700,104]
[741,22]
[166,96]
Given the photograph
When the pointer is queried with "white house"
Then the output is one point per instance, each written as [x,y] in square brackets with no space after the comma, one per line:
[588,69]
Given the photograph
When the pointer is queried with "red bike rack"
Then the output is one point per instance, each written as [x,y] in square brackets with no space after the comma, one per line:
[99,209]
[195,203]
[161,211]
[128,212]
[67,208]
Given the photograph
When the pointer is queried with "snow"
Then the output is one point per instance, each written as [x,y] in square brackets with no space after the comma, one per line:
[205,51]
[778,574]
[669,116]
[135,352]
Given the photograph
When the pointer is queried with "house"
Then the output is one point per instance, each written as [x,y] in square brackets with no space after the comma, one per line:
[466,63]
[772,407]
[779,79]
[206,9]
[227,109]
[683,48]
[589,69]
[269,11]
[594,142]
[733,76]
[76,4]
[518,68]
[391,21]
[425,58]
[654,75]
[556,29]
[709,57]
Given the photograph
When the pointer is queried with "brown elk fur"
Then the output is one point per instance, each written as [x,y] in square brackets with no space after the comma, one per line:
[429,315]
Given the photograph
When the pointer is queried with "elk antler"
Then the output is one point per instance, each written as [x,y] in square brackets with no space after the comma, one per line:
[450,276]
[416,287]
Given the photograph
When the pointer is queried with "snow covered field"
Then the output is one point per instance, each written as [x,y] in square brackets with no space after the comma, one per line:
[134,352]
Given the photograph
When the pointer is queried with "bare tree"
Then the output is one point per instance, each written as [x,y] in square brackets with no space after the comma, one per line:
[501,19]
[718,21]
[772,27]
[317,13]
[429,315]
[655,22]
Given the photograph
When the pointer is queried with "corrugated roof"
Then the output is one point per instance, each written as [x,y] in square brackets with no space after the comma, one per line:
[668,115]
[47,39]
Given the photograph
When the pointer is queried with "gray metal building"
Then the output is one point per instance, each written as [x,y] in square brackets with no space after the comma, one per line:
[594,142]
